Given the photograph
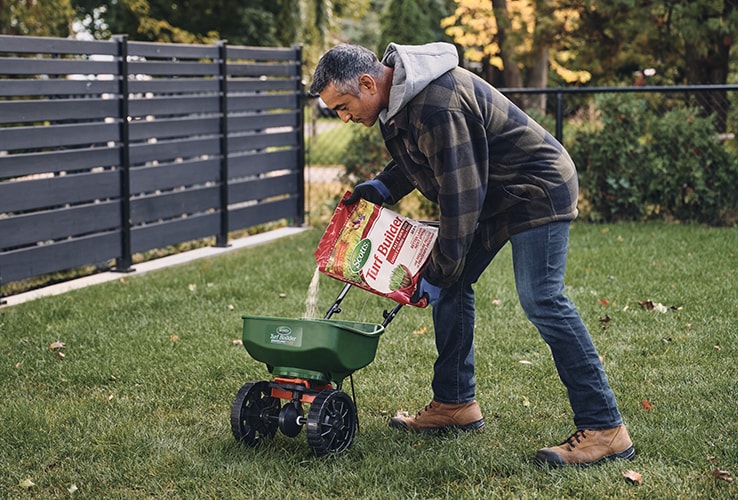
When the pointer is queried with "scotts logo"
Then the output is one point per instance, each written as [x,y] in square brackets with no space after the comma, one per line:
[360,255]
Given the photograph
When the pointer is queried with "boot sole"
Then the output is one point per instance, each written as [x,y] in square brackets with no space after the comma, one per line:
[402,425]
[554,460]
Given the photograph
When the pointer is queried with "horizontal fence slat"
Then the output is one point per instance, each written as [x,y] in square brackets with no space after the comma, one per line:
[261,213]
[262,70]
[94,249]
[62,109]
[173,127]
[261,102]
[261,53]
[174,85]
[171,150]
[261,121]
[60,223]
[198,172]
[168,205]
[260,189]
[57,161]
[56,87]
[48,45]
[29,66]
[249,142]
[56,191]
[57,135]
[241,85]
[173,105]
[154,49]
[158,68]
[251,164]
[170,232]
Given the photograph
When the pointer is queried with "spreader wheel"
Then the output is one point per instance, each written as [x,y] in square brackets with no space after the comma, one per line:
[255,413]
[331,422]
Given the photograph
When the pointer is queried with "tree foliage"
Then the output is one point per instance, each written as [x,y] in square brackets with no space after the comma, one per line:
[412,22]
[36,17]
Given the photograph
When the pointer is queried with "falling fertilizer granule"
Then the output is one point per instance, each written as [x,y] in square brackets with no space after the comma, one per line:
[311,302]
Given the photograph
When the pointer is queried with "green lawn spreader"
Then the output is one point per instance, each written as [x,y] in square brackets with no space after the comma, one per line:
[309,360]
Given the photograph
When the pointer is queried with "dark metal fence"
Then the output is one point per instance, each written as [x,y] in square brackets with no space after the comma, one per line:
[110,148]
[559,110]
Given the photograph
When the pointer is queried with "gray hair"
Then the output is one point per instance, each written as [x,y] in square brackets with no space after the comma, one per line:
[342,65]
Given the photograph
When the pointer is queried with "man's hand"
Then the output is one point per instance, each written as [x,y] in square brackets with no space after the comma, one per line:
[373,191]
[426,290]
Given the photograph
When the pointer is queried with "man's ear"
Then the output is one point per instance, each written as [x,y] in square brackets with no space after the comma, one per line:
[367,83]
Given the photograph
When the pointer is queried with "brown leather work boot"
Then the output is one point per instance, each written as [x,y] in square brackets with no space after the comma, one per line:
[440,416]
[587,447]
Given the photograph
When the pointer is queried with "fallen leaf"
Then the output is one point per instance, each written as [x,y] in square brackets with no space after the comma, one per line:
[192,287]
[26,484]
[18,364]
[496,302]
[282,295]
[236,342]
[717,347]
[646,304]
[721,474]
[57,345]
[421,331]
[604,302]
[632,476]
[646,404]
[525,362]
[110,398]
[526,402]
[230,307]
[72,488]
[666,340]
[174,337]
[123,281]
[60,355]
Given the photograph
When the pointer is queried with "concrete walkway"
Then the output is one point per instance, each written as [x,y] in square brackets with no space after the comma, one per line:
[152,265]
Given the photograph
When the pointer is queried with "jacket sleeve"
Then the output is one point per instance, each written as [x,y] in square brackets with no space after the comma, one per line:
[455,146]
[396,181]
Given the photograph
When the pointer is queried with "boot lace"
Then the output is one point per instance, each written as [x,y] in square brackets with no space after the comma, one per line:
[427,407]
[578,436]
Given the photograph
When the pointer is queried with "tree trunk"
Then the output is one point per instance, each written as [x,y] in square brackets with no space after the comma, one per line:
[512,76]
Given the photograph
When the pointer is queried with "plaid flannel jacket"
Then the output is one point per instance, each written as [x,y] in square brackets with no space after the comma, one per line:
[488,165]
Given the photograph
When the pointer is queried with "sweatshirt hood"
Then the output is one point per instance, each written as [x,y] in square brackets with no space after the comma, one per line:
[415,66]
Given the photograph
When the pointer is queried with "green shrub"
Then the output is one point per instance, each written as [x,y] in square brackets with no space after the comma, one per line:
[637,165]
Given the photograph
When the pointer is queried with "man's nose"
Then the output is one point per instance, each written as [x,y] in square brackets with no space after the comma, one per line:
[344,115]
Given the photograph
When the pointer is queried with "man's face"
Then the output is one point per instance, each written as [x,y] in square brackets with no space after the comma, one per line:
[363,108]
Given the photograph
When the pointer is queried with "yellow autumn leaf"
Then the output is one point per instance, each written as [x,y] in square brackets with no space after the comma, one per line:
[26,484]
[57,345]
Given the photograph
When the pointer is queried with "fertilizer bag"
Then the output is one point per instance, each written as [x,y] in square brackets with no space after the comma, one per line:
[375,249]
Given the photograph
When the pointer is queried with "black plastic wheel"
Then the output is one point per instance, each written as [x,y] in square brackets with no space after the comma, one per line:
[255,413]
[331,422]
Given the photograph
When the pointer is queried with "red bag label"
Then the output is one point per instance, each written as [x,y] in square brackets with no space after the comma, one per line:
[375,249]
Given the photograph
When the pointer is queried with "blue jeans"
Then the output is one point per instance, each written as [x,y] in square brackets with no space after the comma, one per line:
[539,263]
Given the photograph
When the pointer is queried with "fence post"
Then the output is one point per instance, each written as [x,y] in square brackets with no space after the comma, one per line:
[221,239]
[300,218]
[123,263]
[560,116]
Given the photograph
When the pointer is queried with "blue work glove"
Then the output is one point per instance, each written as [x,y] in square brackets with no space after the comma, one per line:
[373,191]
[428,290]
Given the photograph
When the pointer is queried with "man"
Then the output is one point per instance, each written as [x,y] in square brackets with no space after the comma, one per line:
[497,176]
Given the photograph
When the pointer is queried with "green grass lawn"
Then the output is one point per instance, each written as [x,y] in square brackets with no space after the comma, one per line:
[139,407]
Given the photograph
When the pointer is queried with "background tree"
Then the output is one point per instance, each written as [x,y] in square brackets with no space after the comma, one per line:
[36,17]
[412,22]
